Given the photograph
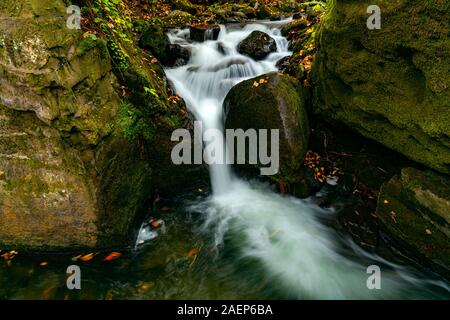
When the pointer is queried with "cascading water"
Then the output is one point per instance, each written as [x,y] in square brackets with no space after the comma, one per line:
[282,233]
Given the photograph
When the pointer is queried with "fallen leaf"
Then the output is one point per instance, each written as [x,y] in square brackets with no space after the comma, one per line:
[87,257]
[155,223]
[144,287]
[428,231]
[393,216]
[385,201]
[76,258]
[113,256]
[193,252]
[43,264]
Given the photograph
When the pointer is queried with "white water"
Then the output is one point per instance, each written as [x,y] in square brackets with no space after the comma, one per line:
[283,233]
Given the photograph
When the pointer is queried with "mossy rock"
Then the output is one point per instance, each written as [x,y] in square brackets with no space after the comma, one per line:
[70,177]
[178,19]
[273,101]
[393,84]
[184,5]
[414,209]
[155,39]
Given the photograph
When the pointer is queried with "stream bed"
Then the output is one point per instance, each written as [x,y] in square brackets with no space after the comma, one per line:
[239,240]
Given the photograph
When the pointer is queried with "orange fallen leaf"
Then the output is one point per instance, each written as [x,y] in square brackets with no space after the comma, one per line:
[155,224]
[113,256]
[193,252]
[87,257]
[43,264]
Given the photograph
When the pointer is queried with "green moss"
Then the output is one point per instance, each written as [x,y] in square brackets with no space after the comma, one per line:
[89,43]
[388,84]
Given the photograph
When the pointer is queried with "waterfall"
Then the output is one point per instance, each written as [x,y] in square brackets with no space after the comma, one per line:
[283,233]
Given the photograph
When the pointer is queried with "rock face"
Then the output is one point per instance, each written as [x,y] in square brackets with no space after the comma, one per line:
[277,102]
[257,45]
[392,84]
[415,209]
[68,177]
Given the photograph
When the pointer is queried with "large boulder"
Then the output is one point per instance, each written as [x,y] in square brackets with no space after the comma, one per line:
[273,101]
[392,84]
[68,176]
[414,208]
[258,45]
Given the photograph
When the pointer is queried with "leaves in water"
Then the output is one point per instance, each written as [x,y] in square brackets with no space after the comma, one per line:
[193,252]
[113,256]
[88,257]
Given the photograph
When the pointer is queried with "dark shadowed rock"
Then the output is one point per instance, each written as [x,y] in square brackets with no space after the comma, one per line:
[200,33]
[414,208]
[156,41]
[258,45]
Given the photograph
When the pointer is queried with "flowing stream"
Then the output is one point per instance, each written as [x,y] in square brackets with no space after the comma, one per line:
[282,234]
[243,240]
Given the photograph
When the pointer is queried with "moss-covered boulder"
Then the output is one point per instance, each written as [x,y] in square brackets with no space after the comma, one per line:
[258,45]
[184,5]
[155,39]
[273,101]
[391,84]
[69,174]
[414,208]
[178,19]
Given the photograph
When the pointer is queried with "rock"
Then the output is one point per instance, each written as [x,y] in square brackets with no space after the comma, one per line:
[184,5]
[414,209]
[177,55]
[240,16]
[275,18]
[393,84]
[155,39]
[283,63]
[265,12]
[258,45]
[299,15]
[314,11]
[277,104]
[178,19]
[69,177]
[200,33]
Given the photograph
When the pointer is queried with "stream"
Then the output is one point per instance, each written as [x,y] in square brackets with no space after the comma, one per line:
[239,240]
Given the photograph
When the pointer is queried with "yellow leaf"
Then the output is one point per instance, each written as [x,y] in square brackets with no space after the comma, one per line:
[87,257]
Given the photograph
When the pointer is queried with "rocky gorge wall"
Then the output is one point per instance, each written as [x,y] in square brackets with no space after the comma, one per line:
[69,177]
[392,84]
